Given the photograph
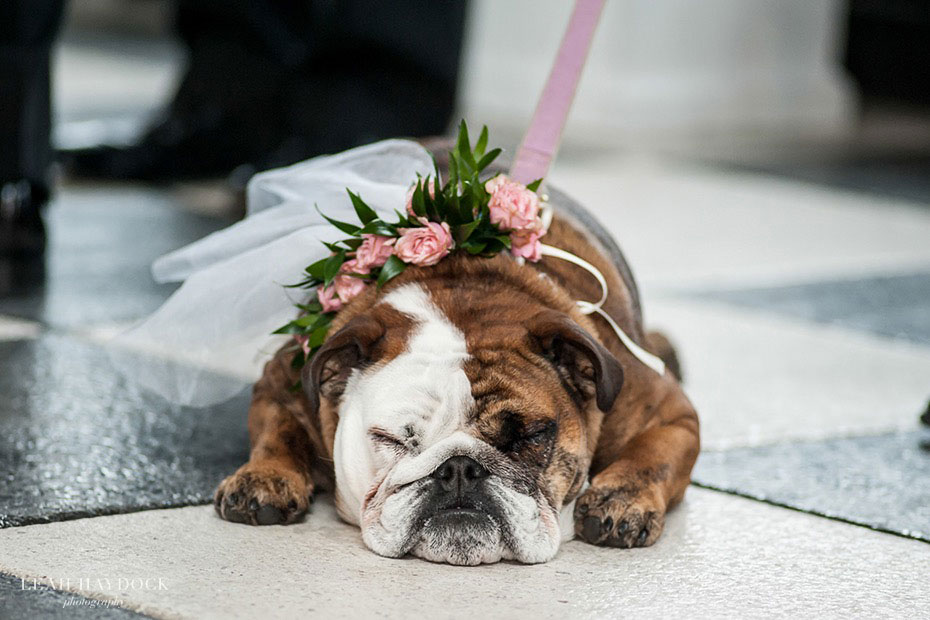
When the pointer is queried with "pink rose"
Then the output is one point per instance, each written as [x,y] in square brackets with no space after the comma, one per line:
[328,298]
[348,287]
[512,206]
[525,243]
[374,251]
[344,288]
[424,246]
[430,187]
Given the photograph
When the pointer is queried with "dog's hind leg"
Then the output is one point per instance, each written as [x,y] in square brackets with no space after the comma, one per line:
[277,483]
[660,345]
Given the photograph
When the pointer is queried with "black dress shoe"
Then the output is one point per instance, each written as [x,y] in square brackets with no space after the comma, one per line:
[22,232]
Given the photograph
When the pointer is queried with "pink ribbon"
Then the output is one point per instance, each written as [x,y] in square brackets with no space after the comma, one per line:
[541,141]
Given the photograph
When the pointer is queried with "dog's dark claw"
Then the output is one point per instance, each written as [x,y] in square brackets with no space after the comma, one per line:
[592,529]
[253,504]
[235,516]
[269,515]
[608,524]
[623,527]
[641,539]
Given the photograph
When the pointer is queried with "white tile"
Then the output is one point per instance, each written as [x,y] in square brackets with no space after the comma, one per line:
[760,379]
[18,329]
[720,556]
[685,226]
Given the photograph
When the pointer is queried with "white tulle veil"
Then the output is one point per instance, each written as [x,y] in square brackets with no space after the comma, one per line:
[210,339]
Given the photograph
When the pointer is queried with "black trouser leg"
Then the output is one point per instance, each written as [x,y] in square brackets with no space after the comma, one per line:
[27,31]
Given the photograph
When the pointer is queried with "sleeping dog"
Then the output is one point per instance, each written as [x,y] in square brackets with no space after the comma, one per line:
[469,412]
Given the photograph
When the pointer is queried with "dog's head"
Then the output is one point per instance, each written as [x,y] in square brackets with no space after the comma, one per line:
[460,447]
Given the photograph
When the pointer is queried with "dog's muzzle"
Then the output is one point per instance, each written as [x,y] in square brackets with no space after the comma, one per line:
[458,496]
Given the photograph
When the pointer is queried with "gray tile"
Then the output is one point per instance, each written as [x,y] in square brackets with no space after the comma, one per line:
[101,246]
[906,176]
[897,306]
[882,482]
[27,599]
[76,440]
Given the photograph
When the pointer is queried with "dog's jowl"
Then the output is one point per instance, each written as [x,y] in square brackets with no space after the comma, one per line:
[469,412]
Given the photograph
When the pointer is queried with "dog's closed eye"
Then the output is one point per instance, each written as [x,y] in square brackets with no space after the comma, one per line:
[515,436]
[384,439]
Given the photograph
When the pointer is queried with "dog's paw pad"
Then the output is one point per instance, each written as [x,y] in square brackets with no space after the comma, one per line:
[614,518]
[259,495]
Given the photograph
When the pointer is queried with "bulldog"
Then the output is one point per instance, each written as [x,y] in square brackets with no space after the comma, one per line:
[469,412]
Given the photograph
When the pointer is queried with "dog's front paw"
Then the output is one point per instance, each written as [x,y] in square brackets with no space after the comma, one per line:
[263,494]
[619,517]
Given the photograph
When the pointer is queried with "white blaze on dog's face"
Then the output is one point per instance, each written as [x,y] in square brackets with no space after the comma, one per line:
[423,467]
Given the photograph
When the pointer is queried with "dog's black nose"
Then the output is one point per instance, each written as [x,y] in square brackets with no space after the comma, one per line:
[459,474]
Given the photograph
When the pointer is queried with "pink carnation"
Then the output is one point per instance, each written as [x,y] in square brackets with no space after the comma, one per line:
[374,251]
[344,288]
[512,205]
[424,246]
[430,187]
[525,243]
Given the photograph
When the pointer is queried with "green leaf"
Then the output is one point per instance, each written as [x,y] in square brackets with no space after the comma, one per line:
[438,175]
[487,159]
[306,320]
[377,227]
[482,142]
[402,220]
[354,243]
[463,232]
[464,148]
[349,229]
[453,171]
[363,211]
[466,206]
[317,337]
[311,307]
[290,328]
[474,246]
[298,362]
[437,188]
[331,267]
[534,185]
[316,269]
[305,283]
[416,201]
[494,246]
[392,268]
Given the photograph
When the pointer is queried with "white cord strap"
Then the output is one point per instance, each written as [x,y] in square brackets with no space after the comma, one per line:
[588,307]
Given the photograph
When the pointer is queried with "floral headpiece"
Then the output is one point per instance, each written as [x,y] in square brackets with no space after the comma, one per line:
[466,214]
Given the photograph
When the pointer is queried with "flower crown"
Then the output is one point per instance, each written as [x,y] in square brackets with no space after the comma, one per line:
[465,214]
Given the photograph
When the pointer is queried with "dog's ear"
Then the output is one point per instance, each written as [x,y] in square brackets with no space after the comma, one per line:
[583,364]
[329,369]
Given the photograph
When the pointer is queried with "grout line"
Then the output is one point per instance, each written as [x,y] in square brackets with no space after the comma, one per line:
[875,528]
[91,513]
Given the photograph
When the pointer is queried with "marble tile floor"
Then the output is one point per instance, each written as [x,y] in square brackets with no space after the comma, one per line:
[801,314]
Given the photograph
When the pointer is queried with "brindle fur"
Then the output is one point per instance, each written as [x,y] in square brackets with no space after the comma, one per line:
[638,455]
